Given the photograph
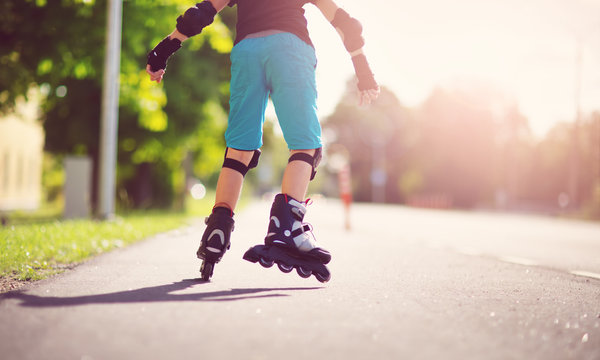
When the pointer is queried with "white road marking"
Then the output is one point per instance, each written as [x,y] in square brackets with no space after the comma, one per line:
[589,274]
[517,260]
[469,251]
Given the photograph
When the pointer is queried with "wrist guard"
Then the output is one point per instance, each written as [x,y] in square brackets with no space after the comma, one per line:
[157,57]
[350,29]
[196,18]
[366,80]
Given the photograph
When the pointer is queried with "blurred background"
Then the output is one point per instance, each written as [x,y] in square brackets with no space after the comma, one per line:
[485,105]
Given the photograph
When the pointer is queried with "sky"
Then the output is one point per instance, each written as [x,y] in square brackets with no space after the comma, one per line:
[523,51]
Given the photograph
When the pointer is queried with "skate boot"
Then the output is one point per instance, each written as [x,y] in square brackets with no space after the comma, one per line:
[290,242]
[215,240]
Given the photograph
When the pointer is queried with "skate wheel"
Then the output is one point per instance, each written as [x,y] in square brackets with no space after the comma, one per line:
[303,272]
[266,263]
[322,277]
[206,270]
[285,268]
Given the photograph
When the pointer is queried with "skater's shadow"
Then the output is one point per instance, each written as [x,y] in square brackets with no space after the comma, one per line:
[161,293]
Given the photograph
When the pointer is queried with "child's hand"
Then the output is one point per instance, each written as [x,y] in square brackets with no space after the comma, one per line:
[368,96]
[155,75]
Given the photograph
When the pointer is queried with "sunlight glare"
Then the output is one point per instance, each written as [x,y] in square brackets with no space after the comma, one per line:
[526,50]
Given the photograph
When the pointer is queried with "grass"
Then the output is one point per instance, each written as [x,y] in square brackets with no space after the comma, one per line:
[46,213]
[33,251]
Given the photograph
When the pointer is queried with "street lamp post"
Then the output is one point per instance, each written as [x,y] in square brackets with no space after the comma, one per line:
[110,110]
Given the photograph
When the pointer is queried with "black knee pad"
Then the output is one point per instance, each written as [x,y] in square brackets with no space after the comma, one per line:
[312,160]
[240,166]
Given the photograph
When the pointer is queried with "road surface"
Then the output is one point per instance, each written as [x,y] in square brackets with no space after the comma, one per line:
[406,284]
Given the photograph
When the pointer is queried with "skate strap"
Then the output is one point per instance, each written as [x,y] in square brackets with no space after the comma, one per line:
[302,230]
[305,203]
[298,213]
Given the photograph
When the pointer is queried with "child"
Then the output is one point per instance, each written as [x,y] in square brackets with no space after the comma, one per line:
[272,56]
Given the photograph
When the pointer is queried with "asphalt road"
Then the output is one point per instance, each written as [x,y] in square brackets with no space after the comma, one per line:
[406,284]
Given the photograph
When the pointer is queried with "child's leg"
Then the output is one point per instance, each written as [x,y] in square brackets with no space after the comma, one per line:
[229,185]
[219,225]
[291,75]
[297,176]
[289,242]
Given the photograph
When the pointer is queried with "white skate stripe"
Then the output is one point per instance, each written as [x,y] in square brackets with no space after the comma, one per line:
[276,221]
[212,249]
[220,234]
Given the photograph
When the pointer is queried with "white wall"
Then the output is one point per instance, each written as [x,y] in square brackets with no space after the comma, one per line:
[21,152]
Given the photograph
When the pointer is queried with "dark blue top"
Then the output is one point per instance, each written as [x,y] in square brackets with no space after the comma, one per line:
[260,15]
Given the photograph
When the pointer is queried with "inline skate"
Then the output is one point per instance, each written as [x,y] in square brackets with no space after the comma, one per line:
[290,242]
[215,240]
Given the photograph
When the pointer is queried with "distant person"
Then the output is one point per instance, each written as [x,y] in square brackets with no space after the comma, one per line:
[273,56]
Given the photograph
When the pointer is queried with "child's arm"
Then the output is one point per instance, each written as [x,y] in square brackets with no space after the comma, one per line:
[189,24]
[350,31]
[327,7]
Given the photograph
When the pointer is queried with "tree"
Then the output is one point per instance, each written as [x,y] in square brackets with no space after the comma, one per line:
[548,183]
[58,46]
[455,147]
[377,139]
[514,156]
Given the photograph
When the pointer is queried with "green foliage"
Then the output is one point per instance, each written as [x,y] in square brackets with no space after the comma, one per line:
[46,42]
[567,158]
[58,46]
[53,176]
[386,124]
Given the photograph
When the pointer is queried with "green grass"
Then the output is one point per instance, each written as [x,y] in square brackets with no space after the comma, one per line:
[46,213]
[33,251]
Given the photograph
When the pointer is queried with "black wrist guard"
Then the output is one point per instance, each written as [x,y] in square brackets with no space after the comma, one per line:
[157,58]
[366,80]
[196,18]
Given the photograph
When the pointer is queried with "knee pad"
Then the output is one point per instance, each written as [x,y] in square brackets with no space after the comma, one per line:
[350,29]
[312,160]
[240,166]
[196,18]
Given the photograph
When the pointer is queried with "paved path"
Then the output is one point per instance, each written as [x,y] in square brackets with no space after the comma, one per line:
[406,284]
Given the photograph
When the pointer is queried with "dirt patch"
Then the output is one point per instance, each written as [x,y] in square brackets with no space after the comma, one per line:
[9,284]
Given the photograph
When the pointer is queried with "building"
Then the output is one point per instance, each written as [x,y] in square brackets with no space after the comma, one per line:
[21,153]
